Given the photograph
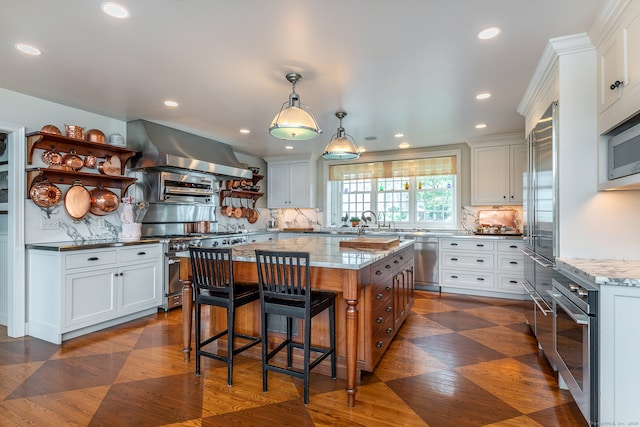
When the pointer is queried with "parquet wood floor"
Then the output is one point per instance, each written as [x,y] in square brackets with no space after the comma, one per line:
[457,361]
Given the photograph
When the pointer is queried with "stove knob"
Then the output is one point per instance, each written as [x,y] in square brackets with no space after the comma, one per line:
[215,244]
[224,241]
[184,246]
[583,293]
[573,287]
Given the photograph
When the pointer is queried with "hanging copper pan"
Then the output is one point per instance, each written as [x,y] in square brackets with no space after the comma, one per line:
[110,166]
[103,201]
[45,195]
[72,160]
[254,216]
[52,157]
[77,201]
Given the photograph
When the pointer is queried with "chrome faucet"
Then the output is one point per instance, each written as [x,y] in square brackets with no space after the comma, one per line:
[372,216]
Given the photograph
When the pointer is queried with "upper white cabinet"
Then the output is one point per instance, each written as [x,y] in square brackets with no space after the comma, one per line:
[291,182]
[619,70]
[496,171]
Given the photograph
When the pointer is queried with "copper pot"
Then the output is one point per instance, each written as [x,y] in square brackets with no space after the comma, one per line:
[95,135]
[52,157]
[72,160]
[77,201]
[203,227]
[76,132]
[254,216]
[103,201]
[51,129]
[45,194]
[90,161]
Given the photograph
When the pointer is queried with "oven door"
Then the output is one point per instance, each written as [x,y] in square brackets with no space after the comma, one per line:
[575,335]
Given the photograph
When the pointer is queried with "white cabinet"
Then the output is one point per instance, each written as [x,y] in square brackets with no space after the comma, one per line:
[619,70]
[481,265]
[76,292]
[291,182]
[497,174]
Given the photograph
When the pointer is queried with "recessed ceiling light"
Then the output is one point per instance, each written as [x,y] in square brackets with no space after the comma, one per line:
[28,49]
[483,95]
[245,131]
[114,10]
[170,103]
[481,125]
[288,147]
[398,135]
[404,145]
[489,33]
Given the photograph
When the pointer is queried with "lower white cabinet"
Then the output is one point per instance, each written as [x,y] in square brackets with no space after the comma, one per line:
[77,292]
[481,265]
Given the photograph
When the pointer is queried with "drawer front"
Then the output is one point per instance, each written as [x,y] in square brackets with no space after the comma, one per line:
[510,283]
[94,258]
[481,261]
[467,244]
[511,263]
[381,294]
[382,310]
[381,337]
[140,253]
[467,279]
[508,246]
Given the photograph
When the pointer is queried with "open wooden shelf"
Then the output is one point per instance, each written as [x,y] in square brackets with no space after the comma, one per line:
[239,194]
[57,176]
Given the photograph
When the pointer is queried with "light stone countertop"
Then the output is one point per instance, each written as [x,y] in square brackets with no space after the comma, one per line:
[603,271]
[89,244]
[324,251]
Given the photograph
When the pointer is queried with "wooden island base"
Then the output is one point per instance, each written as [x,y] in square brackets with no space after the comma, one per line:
[375,300]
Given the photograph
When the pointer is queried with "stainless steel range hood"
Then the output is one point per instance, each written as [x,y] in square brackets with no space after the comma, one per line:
[162,147]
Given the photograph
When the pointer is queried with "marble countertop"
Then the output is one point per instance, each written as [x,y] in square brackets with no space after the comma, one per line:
[88,244]
[324,251]
[603,271]
[406,233]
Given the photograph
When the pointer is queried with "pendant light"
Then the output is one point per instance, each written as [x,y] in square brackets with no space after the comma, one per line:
[342,145]
[293,122]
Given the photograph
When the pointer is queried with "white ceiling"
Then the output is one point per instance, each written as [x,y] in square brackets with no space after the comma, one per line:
[410,66]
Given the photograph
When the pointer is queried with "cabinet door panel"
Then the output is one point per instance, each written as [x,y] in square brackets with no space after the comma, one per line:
[610,70]
[89,297]
[300,186]
[491,176]
[517,165]
[631,36]
[278,182]
[139,287]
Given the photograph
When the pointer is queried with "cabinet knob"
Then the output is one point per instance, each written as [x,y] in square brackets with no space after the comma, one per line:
[388,309]
[379,296]
[616,85]
[387,266]
[389,330]
[388,288]
[378,272]
[379,344]
[379,320]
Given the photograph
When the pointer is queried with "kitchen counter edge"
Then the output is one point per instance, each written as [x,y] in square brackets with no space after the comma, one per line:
[88,244]
[603,271]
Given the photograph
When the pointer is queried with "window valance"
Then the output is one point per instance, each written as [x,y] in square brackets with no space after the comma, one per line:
[445,165]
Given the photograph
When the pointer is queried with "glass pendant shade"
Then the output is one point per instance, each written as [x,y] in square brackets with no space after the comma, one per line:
[342,146]
[293,122]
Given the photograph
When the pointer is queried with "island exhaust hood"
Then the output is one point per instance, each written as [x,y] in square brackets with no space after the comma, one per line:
[162,147]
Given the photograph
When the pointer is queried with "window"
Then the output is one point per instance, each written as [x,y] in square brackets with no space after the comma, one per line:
[419,193]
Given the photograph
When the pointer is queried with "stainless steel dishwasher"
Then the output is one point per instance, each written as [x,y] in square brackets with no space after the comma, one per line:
[426,263]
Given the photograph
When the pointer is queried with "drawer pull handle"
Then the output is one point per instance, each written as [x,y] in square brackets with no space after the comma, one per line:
[389,330]
[402,257]
[396,261]
[454,277]
[379,296]
[387,266]
[480,245]
[454,259]
[513,262]
[481,279]
[379,320]
[388,309]
[93,258]
[388,288]
[513,247]
[142,253]
[454,244]
[616,84]
[379,344]
[479,260]
[515,282]
[378,272]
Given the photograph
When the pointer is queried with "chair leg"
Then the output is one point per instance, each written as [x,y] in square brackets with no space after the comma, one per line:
[307,357]
[332,338]
[265,349]
[230,339]
[289,341]
[197,336]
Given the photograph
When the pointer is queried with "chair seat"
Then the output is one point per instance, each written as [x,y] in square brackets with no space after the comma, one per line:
[319,301]
[242,290]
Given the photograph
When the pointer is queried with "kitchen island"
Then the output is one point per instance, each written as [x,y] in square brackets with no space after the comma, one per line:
[374,288]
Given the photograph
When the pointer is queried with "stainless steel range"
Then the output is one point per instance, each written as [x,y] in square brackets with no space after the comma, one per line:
[172,291]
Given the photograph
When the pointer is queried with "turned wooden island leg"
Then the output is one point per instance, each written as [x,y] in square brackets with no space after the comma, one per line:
[187,310]
[352,350]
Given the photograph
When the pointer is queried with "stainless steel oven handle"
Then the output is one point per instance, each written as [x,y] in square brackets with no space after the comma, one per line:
[535,296]
[579,317]
[543,262]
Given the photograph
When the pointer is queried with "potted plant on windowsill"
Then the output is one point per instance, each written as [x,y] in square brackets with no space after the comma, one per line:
[355,221]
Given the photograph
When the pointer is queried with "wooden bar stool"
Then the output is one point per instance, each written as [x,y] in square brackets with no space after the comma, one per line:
[285,290]
[214,285]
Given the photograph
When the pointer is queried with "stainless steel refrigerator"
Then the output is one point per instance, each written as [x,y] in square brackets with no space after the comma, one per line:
[540,226]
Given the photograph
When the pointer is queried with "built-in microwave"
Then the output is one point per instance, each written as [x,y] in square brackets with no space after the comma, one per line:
[624,153]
